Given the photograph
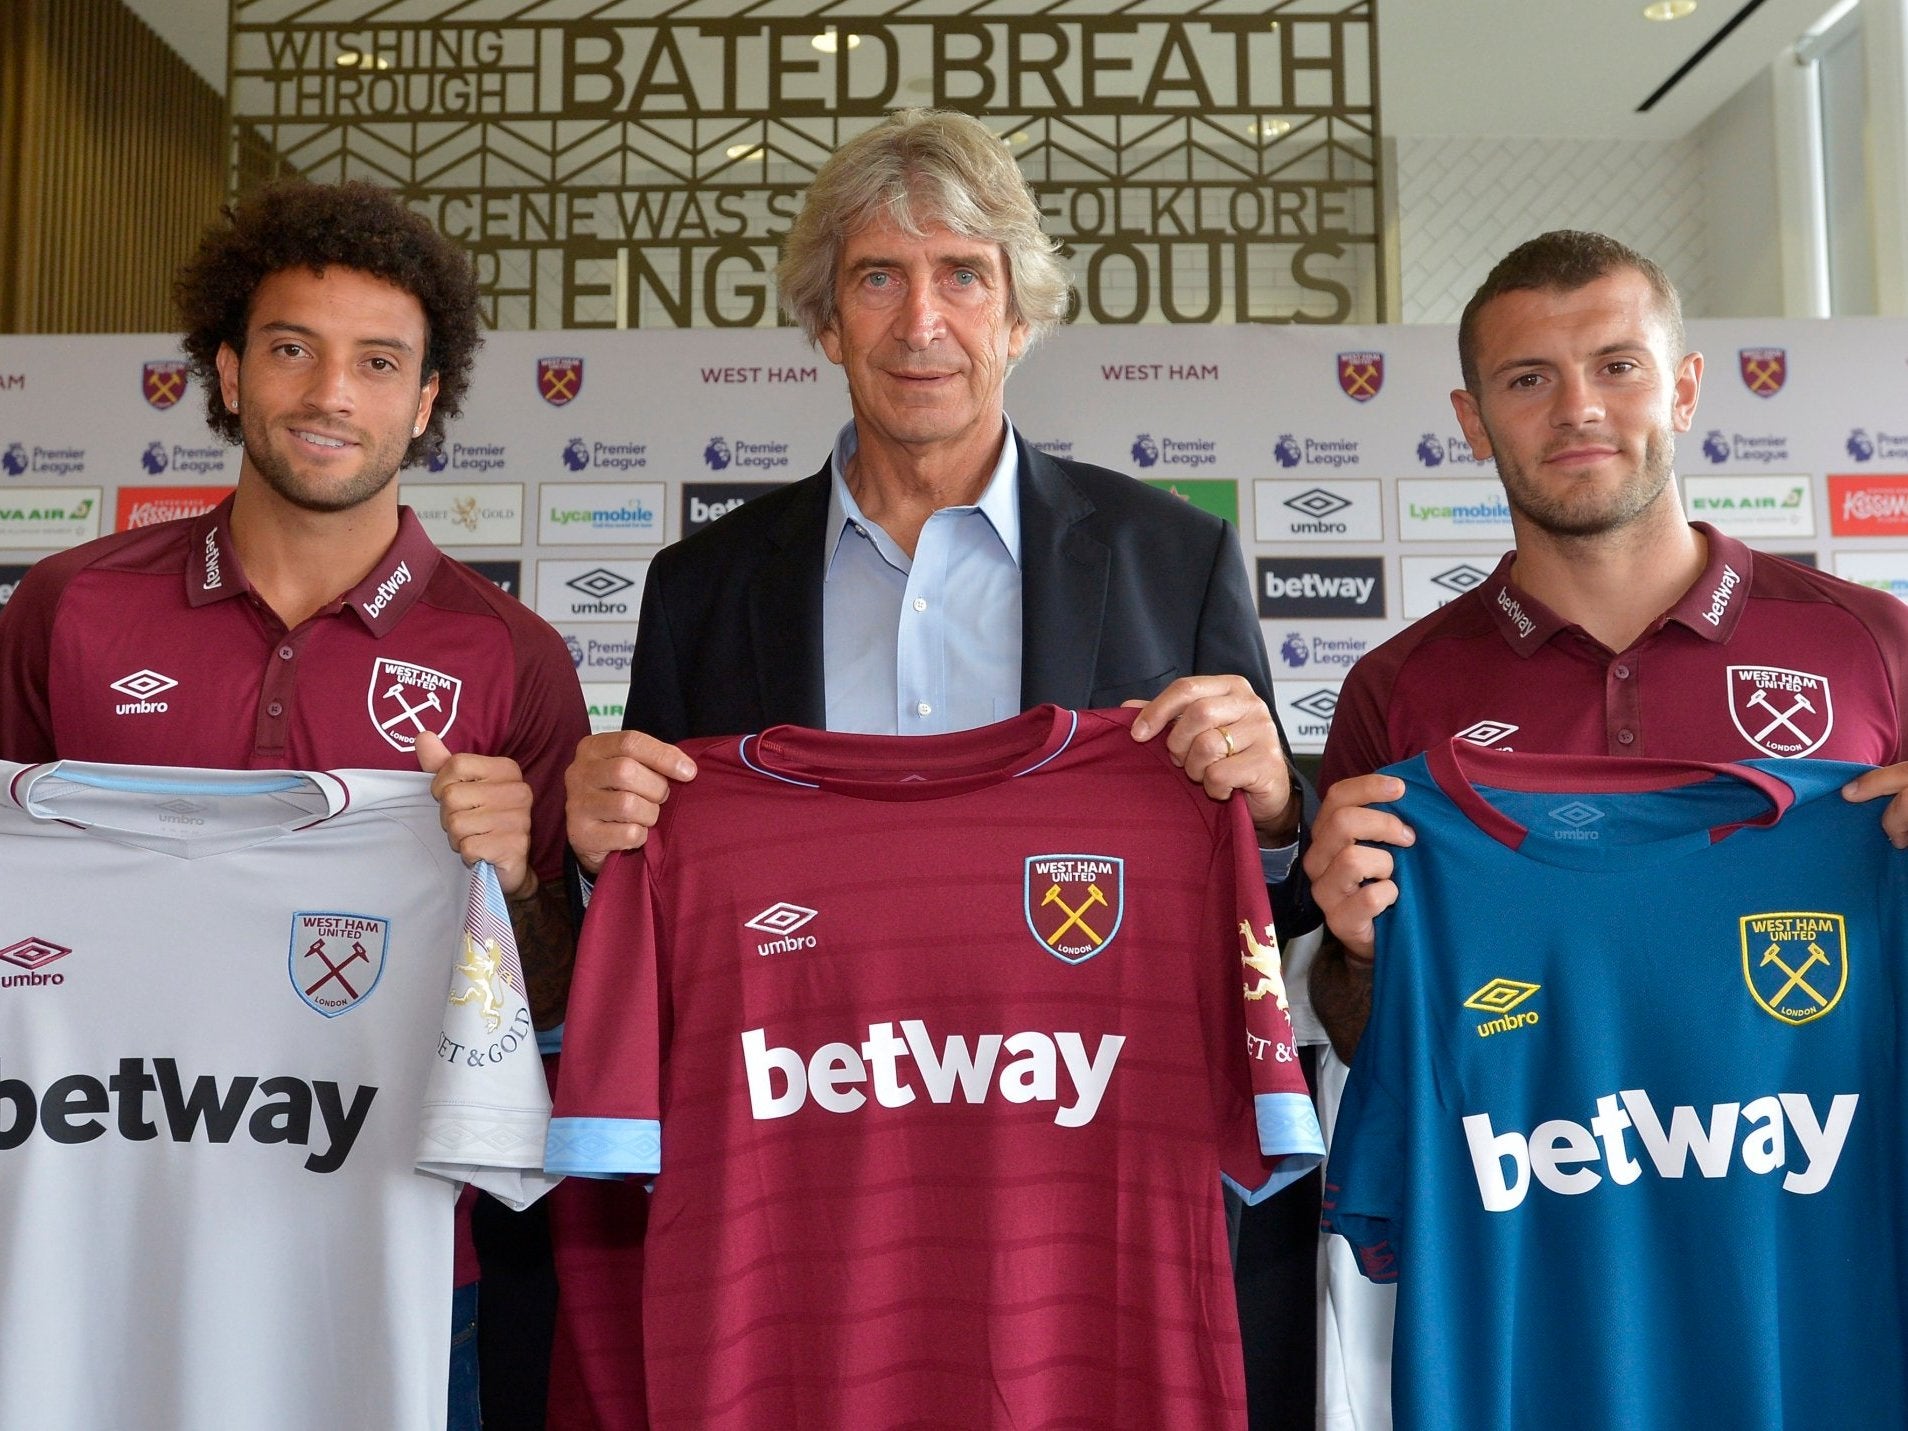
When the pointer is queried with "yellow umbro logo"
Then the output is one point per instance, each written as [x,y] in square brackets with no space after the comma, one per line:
[1499,997]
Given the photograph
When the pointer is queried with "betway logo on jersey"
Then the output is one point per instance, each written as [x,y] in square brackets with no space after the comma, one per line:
[71,1109]
[1043,1068]
[388,590]
[1560,1155]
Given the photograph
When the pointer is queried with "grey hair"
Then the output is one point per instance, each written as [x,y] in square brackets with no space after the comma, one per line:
[916,168]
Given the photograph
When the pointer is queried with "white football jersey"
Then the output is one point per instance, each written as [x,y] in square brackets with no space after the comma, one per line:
[255,1027]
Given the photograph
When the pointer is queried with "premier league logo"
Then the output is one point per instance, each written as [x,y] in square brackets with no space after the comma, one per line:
[576,454]
[1361,375]
[1145,450]
[1860,445]
[1286,451]
[1075,903]
[1430,450]
[1293,651]
[153,459]
[559,380]
[405,699]
[1795,963]
[163,384]
[1764,370]
[14,460]
[1782,713]
[1716,446]
[337,959]
[716,454]
[437,459]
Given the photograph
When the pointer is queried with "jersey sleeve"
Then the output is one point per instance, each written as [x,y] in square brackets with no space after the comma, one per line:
[1289,1142]
[1358,742]
[607,1121]
[1365,1172]
[26,659]
[487,1107]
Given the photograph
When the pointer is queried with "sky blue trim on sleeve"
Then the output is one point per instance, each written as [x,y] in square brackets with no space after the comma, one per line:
[1288,1130]
[603,1147]
[550,1040]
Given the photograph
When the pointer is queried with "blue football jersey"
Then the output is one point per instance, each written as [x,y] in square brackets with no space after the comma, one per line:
[1626,1125]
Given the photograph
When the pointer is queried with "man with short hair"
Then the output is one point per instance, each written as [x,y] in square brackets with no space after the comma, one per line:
[1616,626]
[307,621]
[939,572]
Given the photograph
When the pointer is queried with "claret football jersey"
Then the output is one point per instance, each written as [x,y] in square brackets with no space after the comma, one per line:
[938,1049]
[255,1027]
[1626,1126]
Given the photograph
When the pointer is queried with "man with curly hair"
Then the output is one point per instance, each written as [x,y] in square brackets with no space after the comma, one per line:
[308,621]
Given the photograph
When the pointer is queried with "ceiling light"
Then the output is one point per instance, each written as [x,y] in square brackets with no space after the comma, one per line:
[349,58]
[1269,128]
[1669,9]
[826,42]
[1019,136]
[744,151]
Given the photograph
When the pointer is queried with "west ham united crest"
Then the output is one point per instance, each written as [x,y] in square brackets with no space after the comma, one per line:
[559,380]
[1075,903]
[405,698]
[336,959]
[1780,712]
[1796,964]
[163,384]
[1361,375]
[1764,370]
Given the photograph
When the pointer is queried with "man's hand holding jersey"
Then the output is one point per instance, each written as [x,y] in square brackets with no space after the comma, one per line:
[1891,780]
[483,803]
[1222,735]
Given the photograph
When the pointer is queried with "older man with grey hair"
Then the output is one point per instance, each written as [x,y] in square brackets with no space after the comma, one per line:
[939,572]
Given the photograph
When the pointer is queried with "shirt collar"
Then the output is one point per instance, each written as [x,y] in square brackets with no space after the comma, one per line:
[212,570]
[1711,607]
[999,501]
[390,589]
[1714,602]
[1525,622]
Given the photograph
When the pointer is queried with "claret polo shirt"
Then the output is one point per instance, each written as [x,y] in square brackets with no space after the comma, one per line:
[1762,657]
[152,646]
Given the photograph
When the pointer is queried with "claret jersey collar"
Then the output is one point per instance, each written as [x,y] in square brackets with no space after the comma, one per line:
[1714,603]
[1711,607]
[390,589]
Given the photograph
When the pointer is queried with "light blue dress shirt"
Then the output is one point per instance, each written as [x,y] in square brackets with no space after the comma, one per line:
[928,645]
[931,645]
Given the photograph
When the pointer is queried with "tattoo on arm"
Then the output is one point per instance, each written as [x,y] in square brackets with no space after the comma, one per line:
[1341,996]
[546,944]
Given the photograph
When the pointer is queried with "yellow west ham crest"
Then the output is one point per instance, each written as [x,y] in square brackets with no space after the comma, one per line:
[1795,962]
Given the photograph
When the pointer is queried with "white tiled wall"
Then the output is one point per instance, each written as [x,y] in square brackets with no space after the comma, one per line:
[1464,203]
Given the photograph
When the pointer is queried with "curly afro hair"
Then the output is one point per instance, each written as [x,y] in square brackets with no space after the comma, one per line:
[298,224]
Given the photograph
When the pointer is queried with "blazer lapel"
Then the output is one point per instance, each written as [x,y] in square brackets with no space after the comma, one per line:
[785,614]
[1063,579]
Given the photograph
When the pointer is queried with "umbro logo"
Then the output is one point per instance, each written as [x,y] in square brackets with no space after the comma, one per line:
[782,919]
[1486,732]
[1499,997]
[142,686]
[33,953]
